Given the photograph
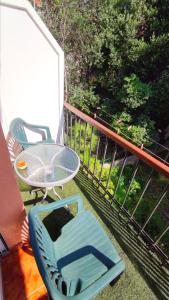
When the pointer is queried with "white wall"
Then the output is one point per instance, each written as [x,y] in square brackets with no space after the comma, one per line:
[32,68]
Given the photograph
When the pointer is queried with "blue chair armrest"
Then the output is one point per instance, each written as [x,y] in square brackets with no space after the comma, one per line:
[25,144]
[96,287]
[56,205]
[38,130]
[41,127]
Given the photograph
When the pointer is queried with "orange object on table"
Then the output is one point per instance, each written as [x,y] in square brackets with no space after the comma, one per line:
[21,164]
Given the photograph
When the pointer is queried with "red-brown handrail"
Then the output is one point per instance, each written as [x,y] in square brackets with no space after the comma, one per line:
[150,160]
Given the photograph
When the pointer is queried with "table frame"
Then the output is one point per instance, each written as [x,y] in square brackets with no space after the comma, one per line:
[42,185]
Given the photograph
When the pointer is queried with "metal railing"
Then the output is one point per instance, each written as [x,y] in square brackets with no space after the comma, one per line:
[131,180]
[155,148]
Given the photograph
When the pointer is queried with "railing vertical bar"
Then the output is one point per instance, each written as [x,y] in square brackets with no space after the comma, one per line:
[80,136]
[131,181]
[64,133]
[71,130]
[104,155]
[84,141]
[142,194]
[161,235]
[90,147]
[75,133]
[67,127]
[153,211]
[97,151]
[121,172]
[112,164]
[166,157]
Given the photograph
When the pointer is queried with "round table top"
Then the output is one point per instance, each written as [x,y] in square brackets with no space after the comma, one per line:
[47,165]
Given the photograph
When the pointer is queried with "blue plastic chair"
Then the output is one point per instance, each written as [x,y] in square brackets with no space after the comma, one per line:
[17,131]
[81,262]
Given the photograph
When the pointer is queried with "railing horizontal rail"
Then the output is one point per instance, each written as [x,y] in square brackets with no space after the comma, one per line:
[150,160]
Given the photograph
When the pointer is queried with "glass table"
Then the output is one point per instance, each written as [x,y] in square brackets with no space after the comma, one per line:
[47,166]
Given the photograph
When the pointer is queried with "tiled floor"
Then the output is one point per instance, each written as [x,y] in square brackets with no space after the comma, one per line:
[21,278]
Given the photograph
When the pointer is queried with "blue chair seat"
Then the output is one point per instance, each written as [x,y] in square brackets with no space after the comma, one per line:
[82,255]
[81,261]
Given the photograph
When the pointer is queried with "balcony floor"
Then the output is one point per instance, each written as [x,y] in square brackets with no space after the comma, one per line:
[142,268]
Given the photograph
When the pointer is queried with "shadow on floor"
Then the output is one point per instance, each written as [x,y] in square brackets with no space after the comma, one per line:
[149,266]
[37,200]
[56,220]
[53,221]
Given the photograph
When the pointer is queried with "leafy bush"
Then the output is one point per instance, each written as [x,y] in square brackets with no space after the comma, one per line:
[134,93]
[123,184]
[82,129]
[159,101]
[138,131]
[85,100]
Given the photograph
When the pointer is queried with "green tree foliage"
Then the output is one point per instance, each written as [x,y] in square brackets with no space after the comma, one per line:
[139,131]
[160,101]
[131,123]
[116,50]
[85,100]
[134,93]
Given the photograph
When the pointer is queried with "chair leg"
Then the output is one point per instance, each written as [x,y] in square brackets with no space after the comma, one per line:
[112,283]
[49,297]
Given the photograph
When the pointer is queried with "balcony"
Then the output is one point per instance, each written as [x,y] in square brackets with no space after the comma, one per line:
[144,250]
[125,187]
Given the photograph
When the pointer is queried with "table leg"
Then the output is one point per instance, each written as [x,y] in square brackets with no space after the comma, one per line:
[46,192]
[56,193]
[35,190]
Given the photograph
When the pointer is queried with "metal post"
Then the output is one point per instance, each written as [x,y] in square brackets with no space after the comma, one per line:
[71,131]
[111,166]
[104,155]
[131,181]
[153,211]
[75,133]
[121,172]
[97,151]
[90,147]
[85,141]
[79,137]
[161,235]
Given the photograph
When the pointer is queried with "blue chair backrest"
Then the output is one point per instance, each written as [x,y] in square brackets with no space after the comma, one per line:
[44,255]
[17,130]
